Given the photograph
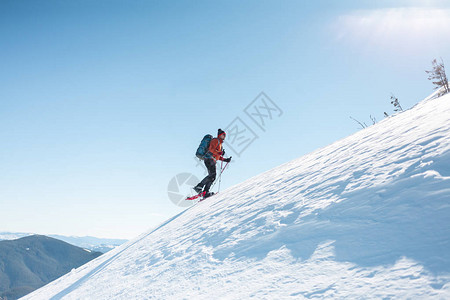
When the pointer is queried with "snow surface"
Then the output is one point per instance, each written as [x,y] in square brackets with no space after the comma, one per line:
[366,217]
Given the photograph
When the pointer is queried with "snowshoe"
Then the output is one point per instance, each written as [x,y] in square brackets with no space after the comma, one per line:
[207,195]
[201,194]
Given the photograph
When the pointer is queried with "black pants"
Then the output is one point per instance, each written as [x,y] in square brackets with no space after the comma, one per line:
[208,180]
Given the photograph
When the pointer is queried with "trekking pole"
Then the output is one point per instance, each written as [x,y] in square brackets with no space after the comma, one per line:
[220,177]
[221,171]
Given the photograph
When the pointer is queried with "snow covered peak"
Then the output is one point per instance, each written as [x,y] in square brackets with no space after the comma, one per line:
[366,217]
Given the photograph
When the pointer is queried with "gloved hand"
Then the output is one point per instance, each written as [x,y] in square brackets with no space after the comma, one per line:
[223,152]
[227,160]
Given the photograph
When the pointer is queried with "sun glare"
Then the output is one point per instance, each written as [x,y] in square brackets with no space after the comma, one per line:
[394,29]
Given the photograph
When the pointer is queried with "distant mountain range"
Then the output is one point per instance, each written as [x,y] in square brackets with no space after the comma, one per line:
[30,262]
[87,242]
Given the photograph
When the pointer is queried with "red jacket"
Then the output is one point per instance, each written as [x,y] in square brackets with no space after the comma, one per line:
[215,147]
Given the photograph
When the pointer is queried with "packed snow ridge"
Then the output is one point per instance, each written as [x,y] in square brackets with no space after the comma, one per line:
[366,217]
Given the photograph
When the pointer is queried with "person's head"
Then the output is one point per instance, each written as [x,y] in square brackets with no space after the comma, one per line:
[221,134]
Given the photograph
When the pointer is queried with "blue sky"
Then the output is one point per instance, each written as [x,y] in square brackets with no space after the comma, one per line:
[103,102]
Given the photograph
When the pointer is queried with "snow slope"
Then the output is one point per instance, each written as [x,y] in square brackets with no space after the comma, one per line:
[366,217]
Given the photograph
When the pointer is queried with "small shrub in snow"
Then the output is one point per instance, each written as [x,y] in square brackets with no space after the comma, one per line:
[438,77]
[362,124]
[396,103]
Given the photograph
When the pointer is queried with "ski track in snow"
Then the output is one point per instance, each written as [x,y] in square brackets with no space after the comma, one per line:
[366,217]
